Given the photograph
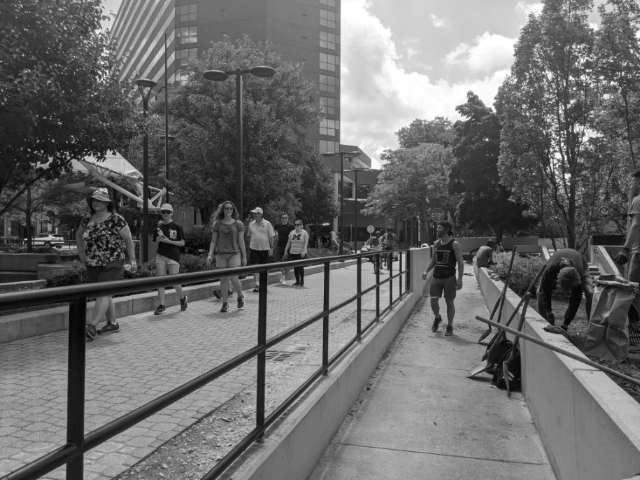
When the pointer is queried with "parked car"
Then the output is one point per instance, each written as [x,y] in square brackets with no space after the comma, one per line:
[48,240]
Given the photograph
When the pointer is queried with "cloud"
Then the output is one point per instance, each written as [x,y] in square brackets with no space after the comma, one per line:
[437,21]
[379,95]
[489,52]
[524,9]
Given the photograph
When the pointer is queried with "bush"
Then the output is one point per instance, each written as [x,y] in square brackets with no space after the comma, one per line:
[196,238]
[524,270]
[193,263]
[74,276]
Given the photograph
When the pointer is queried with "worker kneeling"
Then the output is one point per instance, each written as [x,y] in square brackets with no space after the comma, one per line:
[568,268]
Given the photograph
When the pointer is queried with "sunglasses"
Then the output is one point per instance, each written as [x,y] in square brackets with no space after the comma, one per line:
[165,212]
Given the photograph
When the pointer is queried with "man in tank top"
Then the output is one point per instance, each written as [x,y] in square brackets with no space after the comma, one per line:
[446,256]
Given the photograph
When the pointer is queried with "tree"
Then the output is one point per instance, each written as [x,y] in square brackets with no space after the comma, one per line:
[545,106]
[278,114]
[439,130]
[485,203]
[60,97]
[413,180]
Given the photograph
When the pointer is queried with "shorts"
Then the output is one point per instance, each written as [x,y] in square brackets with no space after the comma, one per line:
[634,268]
[278,253]
[166,265]
[106,273]
[258,257]
[228,260]
[446,285]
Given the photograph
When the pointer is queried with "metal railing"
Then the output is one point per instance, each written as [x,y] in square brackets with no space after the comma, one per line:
[78,443]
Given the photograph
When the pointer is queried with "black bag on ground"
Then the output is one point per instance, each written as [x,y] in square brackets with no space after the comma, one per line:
[512,361]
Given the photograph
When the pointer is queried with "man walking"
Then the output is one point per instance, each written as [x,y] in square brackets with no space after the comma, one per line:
[261,241]
[446,255]
[282,234]
[170,238]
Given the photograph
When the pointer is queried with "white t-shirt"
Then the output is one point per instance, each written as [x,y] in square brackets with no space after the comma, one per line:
[299,241]
[261,235]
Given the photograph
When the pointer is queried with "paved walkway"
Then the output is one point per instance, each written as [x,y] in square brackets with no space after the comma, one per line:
[422,418]
[150,356]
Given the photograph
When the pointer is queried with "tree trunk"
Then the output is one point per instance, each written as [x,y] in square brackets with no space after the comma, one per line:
[27,218]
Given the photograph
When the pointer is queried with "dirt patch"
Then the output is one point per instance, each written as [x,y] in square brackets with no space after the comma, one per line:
[577,335]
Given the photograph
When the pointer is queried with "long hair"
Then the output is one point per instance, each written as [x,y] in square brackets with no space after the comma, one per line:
[219,213]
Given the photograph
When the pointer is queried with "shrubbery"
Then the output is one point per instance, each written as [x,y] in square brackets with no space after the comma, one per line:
[193,263]
[73,276]
[524,270]
[196,238]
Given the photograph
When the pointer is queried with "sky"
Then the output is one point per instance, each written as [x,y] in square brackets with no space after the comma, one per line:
[408,59]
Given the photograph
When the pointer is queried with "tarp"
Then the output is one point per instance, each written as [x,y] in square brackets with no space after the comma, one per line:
[608,332]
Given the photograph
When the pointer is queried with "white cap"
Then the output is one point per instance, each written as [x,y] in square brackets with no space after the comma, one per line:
[166,206]
[257,210]
[101,194]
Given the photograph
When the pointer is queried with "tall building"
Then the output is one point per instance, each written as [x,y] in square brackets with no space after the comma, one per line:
[305,31]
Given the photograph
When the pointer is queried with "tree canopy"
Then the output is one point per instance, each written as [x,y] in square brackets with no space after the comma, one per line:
[60,97]
[279,172]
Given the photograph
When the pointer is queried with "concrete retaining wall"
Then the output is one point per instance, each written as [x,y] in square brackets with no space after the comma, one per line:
[291,448]
[589,426]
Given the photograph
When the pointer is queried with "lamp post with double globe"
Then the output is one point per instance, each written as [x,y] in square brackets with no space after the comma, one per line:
[215,75]
[145,86]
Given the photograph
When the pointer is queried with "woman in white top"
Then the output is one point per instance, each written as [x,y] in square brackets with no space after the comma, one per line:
[296,249]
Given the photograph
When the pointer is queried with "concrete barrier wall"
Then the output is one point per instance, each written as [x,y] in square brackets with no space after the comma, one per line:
[293,446]
[589,426]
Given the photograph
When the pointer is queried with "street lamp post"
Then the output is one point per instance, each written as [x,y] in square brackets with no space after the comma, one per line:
[356,206]
[262,71]
[144,86]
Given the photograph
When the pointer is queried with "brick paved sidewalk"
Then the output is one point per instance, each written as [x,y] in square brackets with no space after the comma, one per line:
[152,355]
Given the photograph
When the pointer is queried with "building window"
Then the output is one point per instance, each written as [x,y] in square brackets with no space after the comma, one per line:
[187,35]
[328,106]
[329,62]
[328,3]
[328,146]
[184,55]
[186,13]
[327,18]
[328,83]
[328,40]
[329,127]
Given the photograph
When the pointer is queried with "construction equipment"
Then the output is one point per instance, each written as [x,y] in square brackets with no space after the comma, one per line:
[500,302]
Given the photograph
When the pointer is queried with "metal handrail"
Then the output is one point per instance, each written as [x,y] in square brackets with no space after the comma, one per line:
[78,443]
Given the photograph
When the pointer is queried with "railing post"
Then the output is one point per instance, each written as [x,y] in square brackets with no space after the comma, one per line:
[408,269]
[262,341]
[399,271]
[325,320]
[75,385]
[391,284]
[377,294]
[359,299]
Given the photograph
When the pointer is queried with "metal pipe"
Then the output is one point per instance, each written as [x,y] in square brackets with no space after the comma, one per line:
[559,350]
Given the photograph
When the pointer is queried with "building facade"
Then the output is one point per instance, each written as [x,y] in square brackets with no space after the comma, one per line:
[302,31]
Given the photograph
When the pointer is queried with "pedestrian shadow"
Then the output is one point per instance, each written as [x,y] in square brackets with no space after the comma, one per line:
[459,340]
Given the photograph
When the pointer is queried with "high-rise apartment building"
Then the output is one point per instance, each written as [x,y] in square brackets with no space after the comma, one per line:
[305,31]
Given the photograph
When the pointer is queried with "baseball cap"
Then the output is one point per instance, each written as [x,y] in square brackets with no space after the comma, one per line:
[101,194]
[166,206]
[257,210]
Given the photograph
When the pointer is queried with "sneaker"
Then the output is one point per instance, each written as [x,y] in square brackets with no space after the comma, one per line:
[256,290]
[565,327]
[90,333]
[183,303]
[109,327]
[436,323]
[240,301]
[225,307]
[282,280]
[448,331]
[159,309]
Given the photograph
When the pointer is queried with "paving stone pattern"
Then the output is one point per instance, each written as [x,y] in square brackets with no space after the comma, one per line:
[152,355]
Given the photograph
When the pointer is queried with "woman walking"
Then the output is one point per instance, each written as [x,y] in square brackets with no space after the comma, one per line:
[227,244]
[296,249]
[104,241]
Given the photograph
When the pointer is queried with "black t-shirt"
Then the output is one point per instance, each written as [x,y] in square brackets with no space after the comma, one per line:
[283,233]
[173,232]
